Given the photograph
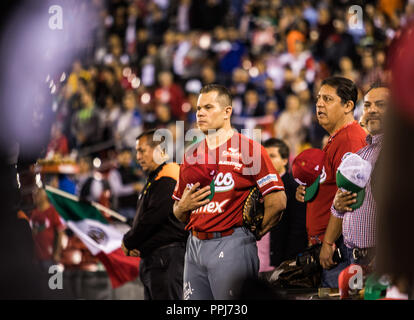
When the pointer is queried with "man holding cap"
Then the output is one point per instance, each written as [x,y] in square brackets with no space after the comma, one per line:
[357,210]
[335,105]
[210,195]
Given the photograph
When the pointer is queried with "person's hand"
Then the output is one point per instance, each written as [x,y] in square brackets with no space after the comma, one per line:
[326,254]
[343,199]
[300,193]
[81,137]
[191,200]
[130,253]
[56,257]
[138,187]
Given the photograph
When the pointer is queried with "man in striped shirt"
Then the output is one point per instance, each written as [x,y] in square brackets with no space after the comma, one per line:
[358,226]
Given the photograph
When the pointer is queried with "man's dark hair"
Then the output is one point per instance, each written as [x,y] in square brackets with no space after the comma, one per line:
[376,85]
[150,137]
[223,93]
[346,89]
[280,144]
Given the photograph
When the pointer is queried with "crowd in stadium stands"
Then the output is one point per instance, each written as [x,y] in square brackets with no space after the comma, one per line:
[151,58]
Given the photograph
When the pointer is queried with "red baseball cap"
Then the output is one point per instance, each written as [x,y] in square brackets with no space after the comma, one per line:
[204,173]
[344,279]
[307,169]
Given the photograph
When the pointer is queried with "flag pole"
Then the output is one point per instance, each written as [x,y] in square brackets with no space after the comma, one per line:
[93,203]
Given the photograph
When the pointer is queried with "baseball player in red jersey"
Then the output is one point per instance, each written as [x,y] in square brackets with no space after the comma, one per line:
[209,198]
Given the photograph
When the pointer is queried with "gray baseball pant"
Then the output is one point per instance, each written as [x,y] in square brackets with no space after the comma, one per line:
[216,268]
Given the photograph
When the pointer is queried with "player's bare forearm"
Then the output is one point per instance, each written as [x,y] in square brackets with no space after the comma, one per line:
[334,229]
[274,204]
[179,213]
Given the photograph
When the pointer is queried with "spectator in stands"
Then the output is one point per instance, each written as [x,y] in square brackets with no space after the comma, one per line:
[58,143]
[85,124]
[47,230]
[89,185]
[253,107]
[293,123]
[124,184]
[171,93]
[129,124]
[110,116]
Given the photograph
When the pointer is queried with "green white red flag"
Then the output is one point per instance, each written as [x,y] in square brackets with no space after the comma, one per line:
[99,236]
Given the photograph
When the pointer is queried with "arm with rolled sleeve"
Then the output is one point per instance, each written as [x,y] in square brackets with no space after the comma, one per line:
[336,213]
[271,186]
[117,187]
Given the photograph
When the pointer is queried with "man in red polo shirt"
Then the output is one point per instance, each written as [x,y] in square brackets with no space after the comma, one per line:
[335,105]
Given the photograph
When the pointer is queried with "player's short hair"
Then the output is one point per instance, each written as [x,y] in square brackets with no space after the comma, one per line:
[150,138]
[376,85]
[224,94]
[346,89]
[280,144]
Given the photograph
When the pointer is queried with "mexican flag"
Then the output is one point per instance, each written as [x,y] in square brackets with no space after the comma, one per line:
[102,239]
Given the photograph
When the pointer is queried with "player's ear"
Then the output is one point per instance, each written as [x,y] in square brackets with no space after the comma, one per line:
[349,106]
[228,111]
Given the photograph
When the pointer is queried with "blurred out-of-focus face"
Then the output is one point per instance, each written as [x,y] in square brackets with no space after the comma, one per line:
[271,107]
[368,62]
[345,64]
[125,158]
[324,16]
[269,84]
[142,34]
[220,33]
[84,166]
[163,113]
[169,37]
[39,196]
[276,159]
[232,34]
[208,75]
[252,97]
[292,103]
[165,79]
[375,105]
[86,100]
[129,101]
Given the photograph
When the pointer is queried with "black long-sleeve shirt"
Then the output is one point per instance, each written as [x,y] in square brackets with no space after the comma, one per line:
[288,237]
[155,225]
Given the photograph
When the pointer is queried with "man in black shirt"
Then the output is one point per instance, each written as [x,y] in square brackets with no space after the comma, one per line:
[156,235]
[288,237]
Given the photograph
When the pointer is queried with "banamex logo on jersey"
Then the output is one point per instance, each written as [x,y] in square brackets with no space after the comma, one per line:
[223,182]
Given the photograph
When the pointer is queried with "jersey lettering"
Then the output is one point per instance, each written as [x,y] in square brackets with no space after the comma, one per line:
[224,182]
[212,207]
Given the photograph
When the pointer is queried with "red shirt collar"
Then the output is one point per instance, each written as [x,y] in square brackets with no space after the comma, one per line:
[340,129]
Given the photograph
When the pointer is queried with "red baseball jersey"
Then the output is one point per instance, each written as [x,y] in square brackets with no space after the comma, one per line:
[44,225]
[349,138]
[241,164]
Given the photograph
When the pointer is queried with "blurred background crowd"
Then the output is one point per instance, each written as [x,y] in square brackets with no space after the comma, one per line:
[148,60]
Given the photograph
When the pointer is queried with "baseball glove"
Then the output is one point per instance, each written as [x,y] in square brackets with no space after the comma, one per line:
[253,212]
